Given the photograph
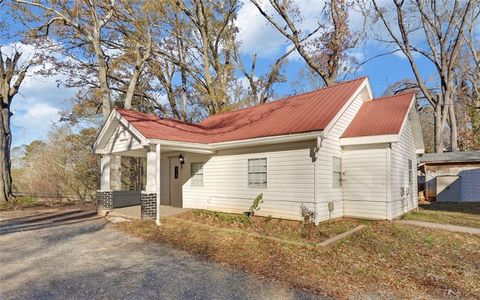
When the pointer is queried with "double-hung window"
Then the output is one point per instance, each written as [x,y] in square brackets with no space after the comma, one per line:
[257,172]
[337,172]
[197,174]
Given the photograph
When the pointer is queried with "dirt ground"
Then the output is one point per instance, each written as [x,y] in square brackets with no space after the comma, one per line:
[70,253]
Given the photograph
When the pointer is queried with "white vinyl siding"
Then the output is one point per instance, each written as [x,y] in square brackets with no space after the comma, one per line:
[122,140]
[330,148]
[196,173]
[365,181]
[225,183]
[257,172]
[337,172]
[401,153]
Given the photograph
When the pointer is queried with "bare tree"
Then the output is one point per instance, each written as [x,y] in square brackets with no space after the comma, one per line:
[324,48]
[12,74]
[442,23]
[261,87]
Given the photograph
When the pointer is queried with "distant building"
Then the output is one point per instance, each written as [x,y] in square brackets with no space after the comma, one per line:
[451,176]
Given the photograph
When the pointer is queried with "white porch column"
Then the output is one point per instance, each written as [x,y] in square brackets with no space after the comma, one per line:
[157,169]
[105,173]
[151,170]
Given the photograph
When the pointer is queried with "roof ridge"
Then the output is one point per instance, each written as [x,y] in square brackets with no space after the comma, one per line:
[392,96]
[158,117]
[288,97]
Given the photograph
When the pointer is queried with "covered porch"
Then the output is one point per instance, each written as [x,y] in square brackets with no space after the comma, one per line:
[165,170]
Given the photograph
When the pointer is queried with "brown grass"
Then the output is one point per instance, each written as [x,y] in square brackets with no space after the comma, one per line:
[279,228]
[463,214]
[384,260]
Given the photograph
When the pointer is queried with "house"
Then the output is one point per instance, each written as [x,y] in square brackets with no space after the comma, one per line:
[335,151]
[451,176]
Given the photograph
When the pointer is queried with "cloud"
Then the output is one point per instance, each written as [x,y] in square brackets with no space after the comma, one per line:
[37,105]
[33,122]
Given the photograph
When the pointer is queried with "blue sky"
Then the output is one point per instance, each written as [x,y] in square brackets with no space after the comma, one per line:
[37,105]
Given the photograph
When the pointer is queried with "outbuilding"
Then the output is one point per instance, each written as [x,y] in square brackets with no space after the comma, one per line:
[451,176]
[335,151]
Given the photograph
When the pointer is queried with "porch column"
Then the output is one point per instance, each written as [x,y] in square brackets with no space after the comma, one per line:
[157,169]
[151,171]
[105,173]
[151,197]
[104,195]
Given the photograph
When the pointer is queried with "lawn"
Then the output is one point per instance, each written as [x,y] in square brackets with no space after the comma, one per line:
[463,214]
[278,228]
[385,260]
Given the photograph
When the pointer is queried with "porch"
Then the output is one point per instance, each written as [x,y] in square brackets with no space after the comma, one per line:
[165,173]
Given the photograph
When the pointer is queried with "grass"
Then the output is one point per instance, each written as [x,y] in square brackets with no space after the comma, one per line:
[385,260]
[24,202]
[279,228]
[462,214]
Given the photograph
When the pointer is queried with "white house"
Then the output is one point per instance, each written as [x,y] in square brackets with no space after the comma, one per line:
[335,151]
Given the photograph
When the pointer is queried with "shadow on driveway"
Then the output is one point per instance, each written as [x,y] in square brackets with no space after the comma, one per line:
[77,256]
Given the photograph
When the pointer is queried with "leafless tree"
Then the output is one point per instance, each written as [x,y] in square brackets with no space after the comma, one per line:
[443,24]
[325,48]
[12,74]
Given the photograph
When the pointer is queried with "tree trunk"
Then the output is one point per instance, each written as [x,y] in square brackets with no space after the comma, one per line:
[453,127]
[438,130]
[5,162]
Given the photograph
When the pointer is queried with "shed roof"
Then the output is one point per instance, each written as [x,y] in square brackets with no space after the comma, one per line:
[381,116]
[450,157]
[302,113]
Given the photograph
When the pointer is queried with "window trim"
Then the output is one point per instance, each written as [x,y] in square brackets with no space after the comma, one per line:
[257,185]
[337,184]
[192,176]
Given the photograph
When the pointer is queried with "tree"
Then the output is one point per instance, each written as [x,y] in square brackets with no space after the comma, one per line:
[62,165]
[443,26]
[12,74]
[325,48]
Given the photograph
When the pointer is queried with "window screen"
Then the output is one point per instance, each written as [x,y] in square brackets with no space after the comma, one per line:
[257,172]
[337,172]
[197,174]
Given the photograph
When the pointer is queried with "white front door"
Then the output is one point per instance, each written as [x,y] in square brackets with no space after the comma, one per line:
[175,182]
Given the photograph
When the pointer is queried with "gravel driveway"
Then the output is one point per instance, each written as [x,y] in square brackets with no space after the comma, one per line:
[76,255]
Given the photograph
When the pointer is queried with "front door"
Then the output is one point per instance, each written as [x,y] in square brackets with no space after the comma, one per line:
[175,183]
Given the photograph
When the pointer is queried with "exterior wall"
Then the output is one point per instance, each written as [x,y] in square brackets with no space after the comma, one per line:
[365,181]
[470,185]
[331,147]
[401,152]
[290,172]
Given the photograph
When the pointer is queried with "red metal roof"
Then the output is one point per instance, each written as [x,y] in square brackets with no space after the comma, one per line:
[380,116]
[307,112]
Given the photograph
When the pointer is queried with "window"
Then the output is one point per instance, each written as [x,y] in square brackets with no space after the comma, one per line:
[197,174]
[257,172]
[337,172]
[410,172]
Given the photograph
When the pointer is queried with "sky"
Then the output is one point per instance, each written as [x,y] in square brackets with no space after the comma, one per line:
[36,108]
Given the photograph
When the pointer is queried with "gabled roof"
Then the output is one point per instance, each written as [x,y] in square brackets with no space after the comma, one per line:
[308,112]
[450,157]
[382,116]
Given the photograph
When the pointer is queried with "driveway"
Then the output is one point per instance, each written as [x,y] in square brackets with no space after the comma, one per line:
[73,254]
